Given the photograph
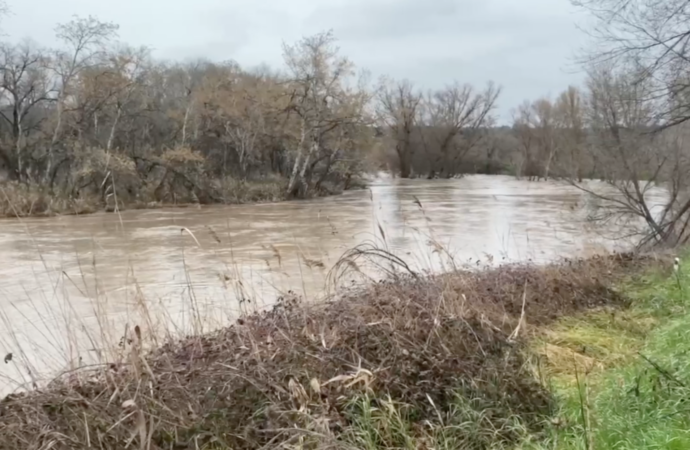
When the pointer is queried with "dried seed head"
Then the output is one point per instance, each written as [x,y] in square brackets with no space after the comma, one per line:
[315,386]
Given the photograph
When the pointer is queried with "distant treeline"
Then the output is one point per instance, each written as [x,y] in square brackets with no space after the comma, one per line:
[450,132]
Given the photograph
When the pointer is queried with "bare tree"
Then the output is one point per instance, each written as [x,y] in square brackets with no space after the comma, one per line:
[653,38]
[24,85]
[399,108]
[546,133]
[552,136]
[129,69]
[84,39]
[569,111]
[4,10]
[457,113]
[523,129]
[318,76]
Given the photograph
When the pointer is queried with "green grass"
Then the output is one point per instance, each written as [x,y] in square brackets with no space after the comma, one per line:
[621,379]
[384,424]
[635,391]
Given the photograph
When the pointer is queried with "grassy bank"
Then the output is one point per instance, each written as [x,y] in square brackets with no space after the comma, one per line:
[622,378]
[412,362]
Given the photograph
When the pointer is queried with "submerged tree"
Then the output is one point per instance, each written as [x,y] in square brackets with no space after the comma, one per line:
[399,110]
[457,119]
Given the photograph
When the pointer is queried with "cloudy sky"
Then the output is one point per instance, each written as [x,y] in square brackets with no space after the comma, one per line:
[526,46]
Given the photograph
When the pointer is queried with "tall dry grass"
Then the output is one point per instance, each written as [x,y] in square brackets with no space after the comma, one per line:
[307,375]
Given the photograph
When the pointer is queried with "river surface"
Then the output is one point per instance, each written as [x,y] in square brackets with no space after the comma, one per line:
[70,287]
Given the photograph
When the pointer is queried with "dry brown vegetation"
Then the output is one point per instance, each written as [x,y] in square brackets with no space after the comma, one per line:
[97,122]
[450,348]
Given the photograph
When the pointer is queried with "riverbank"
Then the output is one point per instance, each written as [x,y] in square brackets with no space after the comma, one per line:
[29,200]
[621,378]
[443,362]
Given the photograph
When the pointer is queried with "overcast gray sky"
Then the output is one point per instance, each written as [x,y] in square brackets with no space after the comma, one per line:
[524,45]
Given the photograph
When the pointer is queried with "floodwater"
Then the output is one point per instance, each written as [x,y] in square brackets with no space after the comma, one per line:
[70,287]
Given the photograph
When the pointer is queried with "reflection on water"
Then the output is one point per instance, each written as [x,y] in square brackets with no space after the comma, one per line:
[91,275]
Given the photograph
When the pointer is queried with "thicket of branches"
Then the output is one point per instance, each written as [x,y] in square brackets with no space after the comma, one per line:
[638,111]
[94,117]
[435,133]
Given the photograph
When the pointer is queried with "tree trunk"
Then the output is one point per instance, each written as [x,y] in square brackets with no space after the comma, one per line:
[298,160]
[302,176]
[20,167]
[325,173]
[404,159]
[184,124]
[54,138]
[109,145]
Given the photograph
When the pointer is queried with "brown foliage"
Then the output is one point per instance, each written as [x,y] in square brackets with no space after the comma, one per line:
[70,115]
[29,199]
[289,374]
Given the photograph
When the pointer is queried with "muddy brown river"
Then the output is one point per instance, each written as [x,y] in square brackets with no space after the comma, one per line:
[70,287]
